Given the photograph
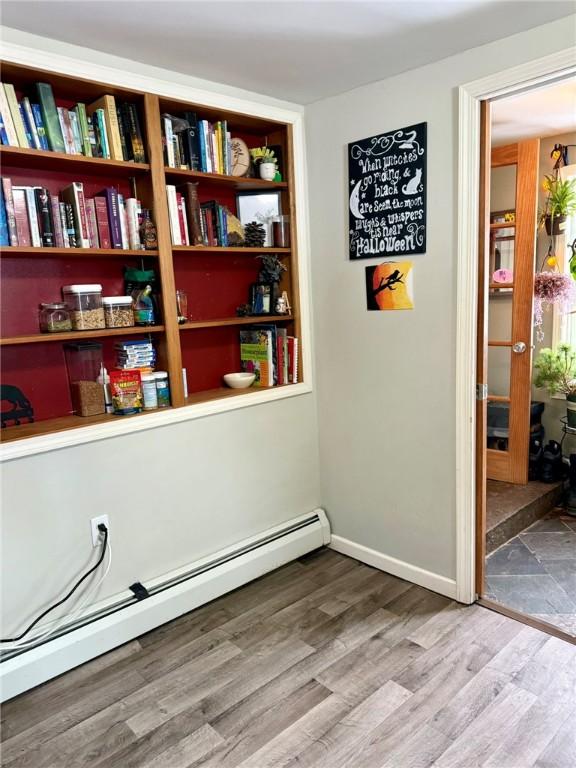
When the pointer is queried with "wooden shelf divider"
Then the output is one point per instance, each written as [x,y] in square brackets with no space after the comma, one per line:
[9,251]
[59,161]
[225,321]
[238,182]
[220,249]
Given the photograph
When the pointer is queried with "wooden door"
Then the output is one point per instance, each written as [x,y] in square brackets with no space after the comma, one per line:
[510,354]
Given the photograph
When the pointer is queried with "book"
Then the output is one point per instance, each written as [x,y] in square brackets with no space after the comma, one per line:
[92,225]
[256,355]
[111,197]
[21,216]
[3,135]
[32,213]
[107,104]
[45,224]
[66,131]
[173,214]
[7,119]
[102,224]
[189,192]
[14,108]
[10,211]
[77,138]
[69,230]
[57,221]
[4,234]
[73,195]
[122,131]
[99,122]
[50,117]
[133,210]
[40,129]
[292,360]
[30,123]
[282,355]
[136,139]
[123,222]
[191,144]
[27,129]
[181,220]
[170,157]
[80,110]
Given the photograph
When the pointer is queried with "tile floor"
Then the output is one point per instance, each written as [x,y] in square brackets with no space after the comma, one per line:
[535,572]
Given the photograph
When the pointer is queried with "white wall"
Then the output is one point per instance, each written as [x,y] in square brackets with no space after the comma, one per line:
[173,494]
[386,379]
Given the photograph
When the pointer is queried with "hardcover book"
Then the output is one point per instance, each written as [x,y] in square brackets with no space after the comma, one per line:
[16,115]
[21,217]
[108,106]
[10,211]
[50,117]
[256,355]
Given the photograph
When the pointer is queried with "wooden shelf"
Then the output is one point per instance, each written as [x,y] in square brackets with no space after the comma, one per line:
[61,424]
[502,225]
[59,161]
[75,253]
[238,182]
[224,392]
[222,322]
[218,249]
[40,338]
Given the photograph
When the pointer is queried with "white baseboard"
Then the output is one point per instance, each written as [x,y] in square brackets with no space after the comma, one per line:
[35,666]
[407,571]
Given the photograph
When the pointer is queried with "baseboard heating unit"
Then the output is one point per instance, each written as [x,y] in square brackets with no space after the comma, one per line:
[125,617]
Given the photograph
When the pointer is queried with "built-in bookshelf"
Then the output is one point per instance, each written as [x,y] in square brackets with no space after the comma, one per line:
[216,279]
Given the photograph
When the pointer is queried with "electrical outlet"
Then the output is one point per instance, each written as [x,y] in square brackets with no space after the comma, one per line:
[96,534]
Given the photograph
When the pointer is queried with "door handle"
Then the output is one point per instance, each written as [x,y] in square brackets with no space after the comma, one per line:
[519,347]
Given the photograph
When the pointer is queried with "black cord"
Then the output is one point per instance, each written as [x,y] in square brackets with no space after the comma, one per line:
[101,527]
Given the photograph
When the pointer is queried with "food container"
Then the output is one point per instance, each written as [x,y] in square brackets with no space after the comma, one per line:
[54,317]
[162,389]
[84,363]
[118,311]
[281,231]
[85,303]
[149,391]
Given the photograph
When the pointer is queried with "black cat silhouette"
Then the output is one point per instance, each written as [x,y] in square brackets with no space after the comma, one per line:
[21,406]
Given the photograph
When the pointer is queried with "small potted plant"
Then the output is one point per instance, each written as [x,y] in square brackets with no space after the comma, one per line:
[560,203]
[266,161]
[556,372]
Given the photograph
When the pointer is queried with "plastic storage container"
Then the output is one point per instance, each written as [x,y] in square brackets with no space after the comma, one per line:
[84,363]
[85,304]
[162,389]
[281,231]
[149,391]
[118,311]
[55,317]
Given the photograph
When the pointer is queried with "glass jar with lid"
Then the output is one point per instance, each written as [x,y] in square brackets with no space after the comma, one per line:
[55,317]
[85,303]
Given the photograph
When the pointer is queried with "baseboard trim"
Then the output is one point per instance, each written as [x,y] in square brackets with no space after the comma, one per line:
[41,663]
[400,568]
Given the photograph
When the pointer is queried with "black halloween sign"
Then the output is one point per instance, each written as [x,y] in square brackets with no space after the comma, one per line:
[387,188]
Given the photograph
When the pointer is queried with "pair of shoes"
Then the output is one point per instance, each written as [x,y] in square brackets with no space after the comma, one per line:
[552,466]
[535,459]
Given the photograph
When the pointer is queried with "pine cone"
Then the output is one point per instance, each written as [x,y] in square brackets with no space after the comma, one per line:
[254,235]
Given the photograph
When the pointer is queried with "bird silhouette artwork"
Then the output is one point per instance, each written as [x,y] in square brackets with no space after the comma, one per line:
[389,286]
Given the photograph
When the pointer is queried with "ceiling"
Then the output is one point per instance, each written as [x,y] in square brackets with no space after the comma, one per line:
[302,50]
[539,112]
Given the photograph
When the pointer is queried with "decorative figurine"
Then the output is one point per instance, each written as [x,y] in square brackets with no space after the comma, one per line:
[21,406]
[283,305]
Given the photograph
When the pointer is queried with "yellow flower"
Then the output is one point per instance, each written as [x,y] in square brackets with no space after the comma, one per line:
[552,261]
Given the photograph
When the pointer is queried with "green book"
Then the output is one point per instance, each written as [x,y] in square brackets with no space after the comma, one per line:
[80,110]
[50,115]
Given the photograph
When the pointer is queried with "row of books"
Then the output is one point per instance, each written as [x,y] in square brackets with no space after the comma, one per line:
[105,128]
[197,145]
[32,216]
[195,223]
[270,353]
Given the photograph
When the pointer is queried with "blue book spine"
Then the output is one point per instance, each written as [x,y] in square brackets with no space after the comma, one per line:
[3,134]
[40,129]
[202,146]
[4,236]
[27,129]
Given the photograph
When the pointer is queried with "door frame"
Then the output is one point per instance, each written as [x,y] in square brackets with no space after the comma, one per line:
[544,70]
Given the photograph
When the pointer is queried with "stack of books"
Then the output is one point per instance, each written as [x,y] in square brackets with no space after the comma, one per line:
[105,128]
[32,216]
[195,223]
[270,353]
[135,354]
[196,145]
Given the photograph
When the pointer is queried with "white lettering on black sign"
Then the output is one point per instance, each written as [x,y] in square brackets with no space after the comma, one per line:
[387,175]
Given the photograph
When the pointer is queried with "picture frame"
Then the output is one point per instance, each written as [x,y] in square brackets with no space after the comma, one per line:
[260,207]
[262,298]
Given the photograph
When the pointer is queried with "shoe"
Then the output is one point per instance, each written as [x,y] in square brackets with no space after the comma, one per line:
[552,466]
[535,459]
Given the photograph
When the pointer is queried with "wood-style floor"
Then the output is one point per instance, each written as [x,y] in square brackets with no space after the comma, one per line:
[324,663]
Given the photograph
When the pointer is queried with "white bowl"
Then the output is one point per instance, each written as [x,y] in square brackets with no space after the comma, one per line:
[239,380]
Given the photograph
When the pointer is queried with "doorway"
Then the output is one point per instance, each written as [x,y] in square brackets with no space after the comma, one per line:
[526,537]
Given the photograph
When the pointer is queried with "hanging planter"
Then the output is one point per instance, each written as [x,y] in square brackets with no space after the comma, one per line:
[555,225]
[551,289]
